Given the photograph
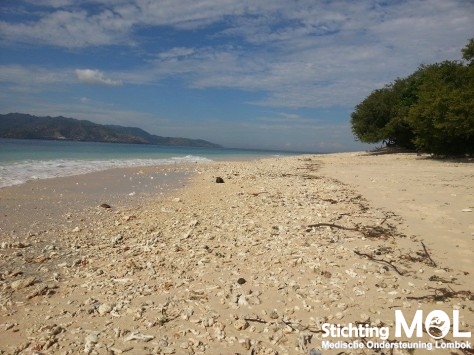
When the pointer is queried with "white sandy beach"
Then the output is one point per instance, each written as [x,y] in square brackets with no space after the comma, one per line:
[254,265]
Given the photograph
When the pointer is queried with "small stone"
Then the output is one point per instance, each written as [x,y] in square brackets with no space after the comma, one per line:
[241,324]
[105,308]
[219,180]
[92,338]
[246,343]
[139,336]
[242,301]
[90,342]
[273,315]
[22,283]
[118,239]
[77,229]
[241,281]
[105,205]
[326,274]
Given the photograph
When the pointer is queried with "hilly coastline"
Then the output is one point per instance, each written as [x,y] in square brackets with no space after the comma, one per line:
[25,126]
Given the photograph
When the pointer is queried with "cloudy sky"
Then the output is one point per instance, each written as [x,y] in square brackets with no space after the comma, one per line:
[277,74]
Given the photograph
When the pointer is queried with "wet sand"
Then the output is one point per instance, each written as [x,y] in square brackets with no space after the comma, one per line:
[46,202]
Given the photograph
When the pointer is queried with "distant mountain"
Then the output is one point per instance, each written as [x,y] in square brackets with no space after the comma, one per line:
[24,126]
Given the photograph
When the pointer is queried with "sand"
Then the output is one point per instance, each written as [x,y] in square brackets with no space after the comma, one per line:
[430,195]
[255,265]
[47,201]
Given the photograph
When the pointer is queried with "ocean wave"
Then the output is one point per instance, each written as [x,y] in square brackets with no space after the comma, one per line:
[20,172]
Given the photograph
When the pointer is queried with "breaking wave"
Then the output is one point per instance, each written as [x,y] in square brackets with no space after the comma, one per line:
[19,172]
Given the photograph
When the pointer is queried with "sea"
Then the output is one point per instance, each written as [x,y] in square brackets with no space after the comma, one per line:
[23,160]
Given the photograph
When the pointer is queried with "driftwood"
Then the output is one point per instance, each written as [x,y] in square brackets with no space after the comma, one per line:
[380,261]
[332,225]
[289,324]
[442,294]
[255,320]
[367,231]
[428,255]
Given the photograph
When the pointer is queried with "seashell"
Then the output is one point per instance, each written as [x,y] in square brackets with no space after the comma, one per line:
[242,301]
[351,273]
[138,336]
[105,308]
[241,324]
[23,283]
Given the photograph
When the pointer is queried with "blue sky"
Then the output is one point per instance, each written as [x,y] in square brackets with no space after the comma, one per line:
[276,74]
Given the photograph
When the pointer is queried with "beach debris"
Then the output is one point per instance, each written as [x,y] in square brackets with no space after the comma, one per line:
[42,290]
[90,341]
[428,255]
[241,324]
[15,245]
[23,283]
[219,180]
[139,336]
[466,210]
[105,308]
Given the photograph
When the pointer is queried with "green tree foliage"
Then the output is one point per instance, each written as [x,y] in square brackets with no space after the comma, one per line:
[431,110]
[382,115]
[443,117]
[468,51]
[372,116]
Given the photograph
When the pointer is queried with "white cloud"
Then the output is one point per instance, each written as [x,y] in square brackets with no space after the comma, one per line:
[33,78]
[91,76]
[177,52]
[303,54]
[70,28]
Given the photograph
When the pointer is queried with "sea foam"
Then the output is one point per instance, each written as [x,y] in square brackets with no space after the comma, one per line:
[19,172]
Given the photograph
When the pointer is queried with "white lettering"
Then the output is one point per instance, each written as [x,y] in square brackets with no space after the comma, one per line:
[456,332]
[326,330]
[384,333]
[453,345]
[400,323]
[351,330]
[326,344]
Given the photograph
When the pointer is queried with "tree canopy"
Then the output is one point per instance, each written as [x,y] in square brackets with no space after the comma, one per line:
[431,110]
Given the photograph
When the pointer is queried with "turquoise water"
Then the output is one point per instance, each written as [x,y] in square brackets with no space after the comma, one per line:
[25,160]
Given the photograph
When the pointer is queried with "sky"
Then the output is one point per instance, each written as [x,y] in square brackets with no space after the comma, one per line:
[265,74]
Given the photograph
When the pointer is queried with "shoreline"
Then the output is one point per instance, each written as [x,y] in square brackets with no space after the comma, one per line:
[78,194]
[255,264]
